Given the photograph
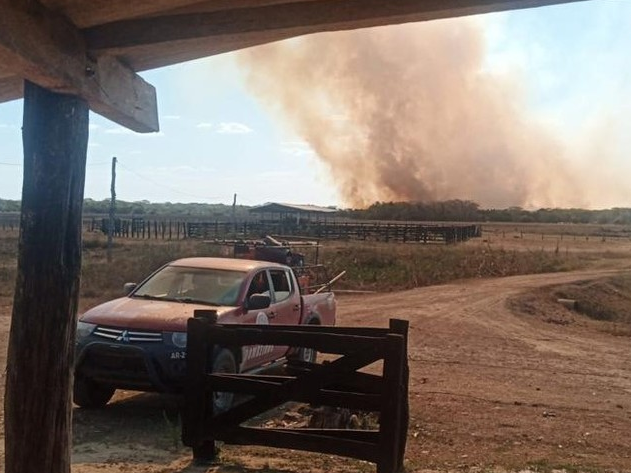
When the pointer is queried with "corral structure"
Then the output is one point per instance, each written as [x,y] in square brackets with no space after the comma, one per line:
[66,57]
[291,213]
[393,232]
[402,232]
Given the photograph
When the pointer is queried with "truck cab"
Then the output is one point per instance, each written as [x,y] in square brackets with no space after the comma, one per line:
[138,342]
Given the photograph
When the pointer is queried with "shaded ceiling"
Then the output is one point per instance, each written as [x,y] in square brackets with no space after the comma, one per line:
[93,48]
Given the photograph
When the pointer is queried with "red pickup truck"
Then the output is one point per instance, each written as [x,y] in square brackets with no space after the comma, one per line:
[138,342]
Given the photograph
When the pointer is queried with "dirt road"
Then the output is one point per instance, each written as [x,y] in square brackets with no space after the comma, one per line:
[489,387]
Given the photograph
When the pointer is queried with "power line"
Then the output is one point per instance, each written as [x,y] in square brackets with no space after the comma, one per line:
[172,189]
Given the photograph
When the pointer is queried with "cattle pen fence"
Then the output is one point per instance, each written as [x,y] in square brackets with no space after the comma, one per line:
[337,382]
[405,232]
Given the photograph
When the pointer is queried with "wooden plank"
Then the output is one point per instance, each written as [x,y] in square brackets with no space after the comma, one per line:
[353,382]
[322,329]
[371,436]
[323,376]
[296,439]
[323,342]
[44,48]
[240,384]
[38,421]
[245,27]
[348,400]
[322,397]
[96,12]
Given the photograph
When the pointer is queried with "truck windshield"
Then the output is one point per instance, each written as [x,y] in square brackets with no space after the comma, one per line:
[196,285]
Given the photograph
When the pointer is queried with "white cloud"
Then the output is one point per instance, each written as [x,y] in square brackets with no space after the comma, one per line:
[93,126]
[233,128]
[94,145]
[171,117]
[204,125]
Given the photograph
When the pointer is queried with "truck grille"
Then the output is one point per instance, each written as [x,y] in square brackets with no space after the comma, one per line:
[124,335]
[118,366]
[131,362]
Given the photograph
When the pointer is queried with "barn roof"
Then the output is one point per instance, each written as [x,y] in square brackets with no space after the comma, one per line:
[291,208]
[93,48]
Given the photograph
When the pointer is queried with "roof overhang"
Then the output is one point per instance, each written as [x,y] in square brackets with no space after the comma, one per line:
[93,48]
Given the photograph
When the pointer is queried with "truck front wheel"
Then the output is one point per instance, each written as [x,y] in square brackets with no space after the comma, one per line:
[90,394]
[308,355]
[224,362]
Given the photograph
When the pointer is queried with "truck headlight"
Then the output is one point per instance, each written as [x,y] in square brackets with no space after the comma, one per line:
[179,339]
[84,329]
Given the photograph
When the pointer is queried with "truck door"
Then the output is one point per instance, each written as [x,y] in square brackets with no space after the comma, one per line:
[286,302]
[257,355]
[285,297]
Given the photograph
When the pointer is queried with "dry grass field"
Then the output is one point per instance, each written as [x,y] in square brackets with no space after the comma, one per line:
[503,377]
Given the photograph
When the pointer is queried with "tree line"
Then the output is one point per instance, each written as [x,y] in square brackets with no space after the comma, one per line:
[455,210]
[468,211]
[144,208]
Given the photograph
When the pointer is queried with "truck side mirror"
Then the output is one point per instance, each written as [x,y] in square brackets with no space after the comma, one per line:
[128,287]
[258,301]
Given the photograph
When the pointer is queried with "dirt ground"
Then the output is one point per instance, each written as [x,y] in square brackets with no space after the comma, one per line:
[494,385]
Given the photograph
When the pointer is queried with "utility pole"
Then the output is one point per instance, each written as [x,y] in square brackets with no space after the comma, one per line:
[234,215]
[110,227]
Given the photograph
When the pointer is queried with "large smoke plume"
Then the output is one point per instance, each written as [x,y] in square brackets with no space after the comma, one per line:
[409,113]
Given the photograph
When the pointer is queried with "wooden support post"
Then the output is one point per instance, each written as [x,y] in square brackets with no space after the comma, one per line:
[391,418]
[41,344]
[199,358]
[401,327]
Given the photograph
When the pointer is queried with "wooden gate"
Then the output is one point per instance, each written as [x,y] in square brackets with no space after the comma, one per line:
[335,383]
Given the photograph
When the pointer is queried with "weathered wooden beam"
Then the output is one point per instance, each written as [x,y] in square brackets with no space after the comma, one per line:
[46,49]
[304,440]
[288,19]
[41,341]
[96,12]
[11,88]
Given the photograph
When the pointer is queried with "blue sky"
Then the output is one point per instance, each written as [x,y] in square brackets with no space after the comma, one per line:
[572,62]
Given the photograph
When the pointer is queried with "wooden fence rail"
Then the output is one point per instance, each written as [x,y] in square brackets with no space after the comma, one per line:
[337,383]
[409,232]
